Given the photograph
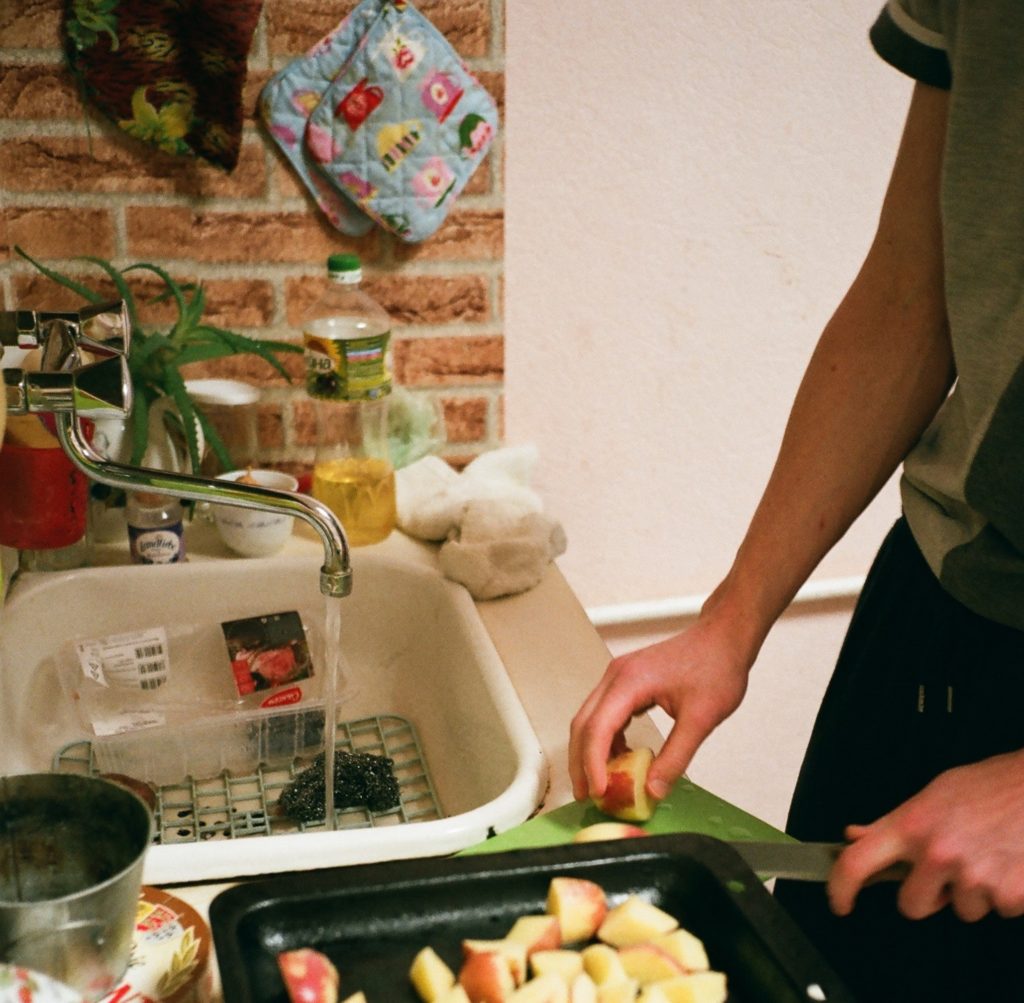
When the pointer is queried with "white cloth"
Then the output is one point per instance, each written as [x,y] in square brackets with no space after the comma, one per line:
[497,538]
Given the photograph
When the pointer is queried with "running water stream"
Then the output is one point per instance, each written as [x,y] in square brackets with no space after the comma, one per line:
[332,669]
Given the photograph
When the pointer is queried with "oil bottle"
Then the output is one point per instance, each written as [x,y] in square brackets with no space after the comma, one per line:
[348,378]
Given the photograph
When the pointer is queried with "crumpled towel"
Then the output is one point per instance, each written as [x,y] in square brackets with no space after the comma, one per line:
[497,538]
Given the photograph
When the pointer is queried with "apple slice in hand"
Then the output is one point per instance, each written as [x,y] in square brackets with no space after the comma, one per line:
[625,795]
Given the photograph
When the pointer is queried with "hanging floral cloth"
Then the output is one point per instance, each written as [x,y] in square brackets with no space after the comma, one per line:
[168,72]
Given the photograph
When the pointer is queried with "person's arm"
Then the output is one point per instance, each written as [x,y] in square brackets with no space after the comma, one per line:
[881,369]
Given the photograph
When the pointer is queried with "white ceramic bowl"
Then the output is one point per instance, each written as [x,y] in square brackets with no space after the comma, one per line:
[250,532]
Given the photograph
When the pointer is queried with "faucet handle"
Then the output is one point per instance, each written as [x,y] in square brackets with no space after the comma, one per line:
[19,329]
[97,390]
[83,361]
[105,329]
[101,328]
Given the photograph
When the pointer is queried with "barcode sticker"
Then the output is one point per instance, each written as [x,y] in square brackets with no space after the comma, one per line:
[139,660]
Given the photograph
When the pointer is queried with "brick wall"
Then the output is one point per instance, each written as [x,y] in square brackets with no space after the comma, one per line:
[71,184]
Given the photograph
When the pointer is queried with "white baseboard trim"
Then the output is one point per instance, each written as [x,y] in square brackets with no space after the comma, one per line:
[676,607]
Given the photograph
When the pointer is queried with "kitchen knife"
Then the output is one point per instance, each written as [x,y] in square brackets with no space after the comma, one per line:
[802,861]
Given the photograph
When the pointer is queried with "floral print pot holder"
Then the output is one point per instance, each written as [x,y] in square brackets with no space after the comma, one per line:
[382,121]
[167,72]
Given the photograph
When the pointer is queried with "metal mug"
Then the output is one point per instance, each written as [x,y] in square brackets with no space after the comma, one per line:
[71,854]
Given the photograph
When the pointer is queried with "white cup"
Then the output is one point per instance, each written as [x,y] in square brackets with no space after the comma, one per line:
[251,532]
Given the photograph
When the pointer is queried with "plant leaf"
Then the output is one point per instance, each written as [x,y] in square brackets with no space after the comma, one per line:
[187,410]
[68,283]
[194,312]
[123,289]
[172,286]
[139,428]
[215,442]
[153,342]
[201,351]
[241,344]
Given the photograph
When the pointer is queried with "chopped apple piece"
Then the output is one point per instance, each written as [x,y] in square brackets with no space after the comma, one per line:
[625,796]
[608,830]
[582,989]
[646,963]
[579,905]
[634,921]
[454,995]
[700,987]
[549,988]
[686,948]
[538,933]
[602,964]
[512,951]
[565,964]
[623,991]
[309,976]
[359,997]
[486,977]
[652,993]
[430,976]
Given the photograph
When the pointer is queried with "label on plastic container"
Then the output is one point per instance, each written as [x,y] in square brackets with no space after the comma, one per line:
[347,369]
[138,659]
[117,724]
[267,653]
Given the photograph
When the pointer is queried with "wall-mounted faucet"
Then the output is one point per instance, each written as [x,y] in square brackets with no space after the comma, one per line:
[83,373]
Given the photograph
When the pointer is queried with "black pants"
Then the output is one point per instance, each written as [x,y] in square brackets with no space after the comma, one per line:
[922,684]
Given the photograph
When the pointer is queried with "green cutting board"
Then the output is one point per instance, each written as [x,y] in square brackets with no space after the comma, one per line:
[688,808]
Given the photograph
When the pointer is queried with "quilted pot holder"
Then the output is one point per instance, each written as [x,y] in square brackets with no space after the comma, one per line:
[289,97]
[402,124]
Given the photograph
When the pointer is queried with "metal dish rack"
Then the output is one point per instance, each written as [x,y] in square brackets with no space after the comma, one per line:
[234,807]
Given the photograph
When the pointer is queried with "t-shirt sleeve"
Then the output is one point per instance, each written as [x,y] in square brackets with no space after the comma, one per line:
[908,35]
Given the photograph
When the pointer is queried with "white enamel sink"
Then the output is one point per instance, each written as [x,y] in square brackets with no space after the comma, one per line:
[415,650]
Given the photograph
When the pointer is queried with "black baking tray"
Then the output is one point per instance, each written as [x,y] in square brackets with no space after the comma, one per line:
[371,919]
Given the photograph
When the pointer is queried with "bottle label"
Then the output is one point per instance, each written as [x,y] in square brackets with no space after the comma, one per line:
[347,369]
[157,546]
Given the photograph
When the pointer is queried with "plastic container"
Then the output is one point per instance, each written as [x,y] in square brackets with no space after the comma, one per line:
[236,742]
[169,702]
[348,377]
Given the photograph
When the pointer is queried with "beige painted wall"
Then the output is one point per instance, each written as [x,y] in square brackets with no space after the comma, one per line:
[690,188]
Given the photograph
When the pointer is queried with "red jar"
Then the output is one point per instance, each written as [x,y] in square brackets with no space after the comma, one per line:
[43,497]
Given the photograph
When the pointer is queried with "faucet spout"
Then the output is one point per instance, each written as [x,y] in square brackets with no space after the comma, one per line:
[336,572]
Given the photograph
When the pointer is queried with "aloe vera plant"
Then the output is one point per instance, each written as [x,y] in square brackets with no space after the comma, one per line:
[156,357]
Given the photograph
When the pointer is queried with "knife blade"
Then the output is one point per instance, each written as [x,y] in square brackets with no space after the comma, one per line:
[802,861]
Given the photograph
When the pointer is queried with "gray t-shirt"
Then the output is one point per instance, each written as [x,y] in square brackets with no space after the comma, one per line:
[963,483]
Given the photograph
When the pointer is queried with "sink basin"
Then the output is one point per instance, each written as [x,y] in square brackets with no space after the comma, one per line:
[419,666]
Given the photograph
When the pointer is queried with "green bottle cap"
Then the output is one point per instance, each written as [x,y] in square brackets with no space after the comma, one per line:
[344,263]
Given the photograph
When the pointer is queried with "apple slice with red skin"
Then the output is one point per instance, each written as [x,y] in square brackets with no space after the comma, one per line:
[486,977]
[608,830]
[625,796]
[309,976]
[580,906]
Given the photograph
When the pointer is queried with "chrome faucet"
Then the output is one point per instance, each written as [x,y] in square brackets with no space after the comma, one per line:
[84,374]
